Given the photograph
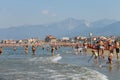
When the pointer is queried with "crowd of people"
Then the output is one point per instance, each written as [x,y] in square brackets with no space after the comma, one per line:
[98,49]
[112,46]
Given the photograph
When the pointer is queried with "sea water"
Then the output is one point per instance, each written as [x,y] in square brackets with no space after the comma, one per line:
[15,65]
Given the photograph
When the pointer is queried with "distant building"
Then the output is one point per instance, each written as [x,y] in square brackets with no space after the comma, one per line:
[30,40]
[65,39]
[80,38]
[50,38]
[77,38]
[19,41]
[8,41]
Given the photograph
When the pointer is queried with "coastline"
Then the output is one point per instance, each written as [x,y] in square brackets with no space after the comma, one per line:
[59,44]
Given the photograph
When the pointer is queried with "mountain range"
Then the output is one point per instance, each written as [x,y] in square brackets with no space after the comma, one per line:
[69,28]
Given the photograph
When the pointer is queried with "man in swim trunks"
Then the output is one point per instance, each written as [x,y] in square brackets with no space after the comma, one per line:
[117,49]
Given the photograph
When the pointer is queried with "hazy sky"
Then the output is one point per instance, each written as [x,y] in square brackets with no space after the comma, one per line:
[27,12]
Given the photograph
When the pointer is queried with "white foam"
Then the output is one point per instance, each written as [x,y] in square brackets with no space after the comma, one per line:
[56,58]
[46,59]
[79,49]
[94,75]
[84,74]
[33,59]
[63,72]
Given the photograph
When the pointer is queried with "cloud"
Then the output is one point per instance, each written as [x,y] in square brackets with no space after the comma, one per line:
[45,12]
[54,15]
[87,23]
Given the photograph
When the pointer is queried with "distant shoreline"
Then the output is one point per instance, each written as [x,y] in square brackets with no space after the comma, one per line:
[61,44]
[67,44]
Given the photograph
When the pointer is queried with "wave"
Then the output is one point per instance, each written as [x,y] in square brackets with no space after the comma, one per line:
[73,72]
[60,71]
[49,59]
[53,72]
[43,68]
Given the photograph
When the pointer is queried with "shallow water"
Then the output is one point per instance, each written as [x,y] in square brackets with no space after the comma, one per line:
[15,65]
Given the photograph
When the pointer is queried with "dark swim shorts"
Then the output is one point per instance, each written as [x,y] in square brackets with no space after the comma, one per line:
[117,50]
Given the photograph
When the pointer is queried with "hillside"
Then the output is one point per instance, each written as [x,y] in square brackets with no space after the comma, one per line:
[70,27]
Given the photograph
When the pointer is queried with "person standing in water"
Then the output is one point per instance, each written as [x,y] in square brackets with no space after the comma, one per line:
[52,50]
[85,44]
[0,50]
[98,48]
[110,58]
[33,49]
[14,48]
[101,46]
[117,49]
[110,55]
[77,47]
[95,54]
[26,49]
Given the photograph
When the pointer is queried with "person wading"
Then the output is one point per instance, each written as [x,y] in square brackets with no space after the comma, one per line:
[0,50]
[33,49]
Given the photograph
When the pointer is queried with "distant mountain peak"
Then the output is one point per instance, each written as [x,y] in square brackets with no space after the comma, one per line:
[102,23]
[68,27]
[87,23]
[71,18]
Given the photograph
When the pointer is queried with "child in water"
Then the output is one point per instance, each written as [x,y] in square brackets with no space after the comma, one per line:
[95,54]
[110,57]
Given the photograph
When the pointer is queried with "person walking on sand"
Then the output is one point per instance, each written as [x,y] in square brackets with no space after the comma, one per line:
[117,49]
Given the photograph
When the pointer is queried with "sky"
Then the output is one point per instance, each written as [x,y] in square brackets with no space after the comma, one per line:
[35,12]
